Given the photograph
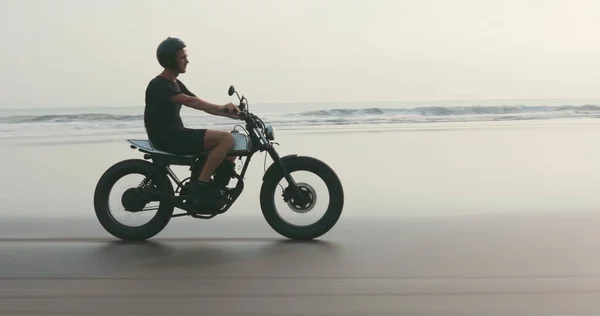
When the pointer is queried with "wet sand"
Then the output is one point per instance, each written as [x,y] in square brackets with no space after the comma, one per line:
[468,265]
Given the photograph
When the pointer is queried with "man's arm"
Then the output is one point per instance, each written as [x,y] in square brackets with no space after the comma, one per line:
[222,113]
[197,103]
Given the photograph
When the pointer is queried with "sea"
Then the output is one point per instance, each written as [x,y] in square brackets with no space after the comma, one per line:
[112,123]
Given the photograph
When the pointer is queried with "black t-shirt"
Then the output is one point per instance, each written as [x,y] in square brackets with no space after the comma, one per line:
[161,116]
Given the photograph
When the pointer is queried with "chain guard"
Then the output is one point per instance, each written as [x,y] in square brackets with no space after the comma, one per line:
[135,199]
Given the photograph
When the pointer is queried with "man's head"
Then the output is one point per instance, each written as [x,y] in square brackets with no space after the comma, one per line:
[171,55]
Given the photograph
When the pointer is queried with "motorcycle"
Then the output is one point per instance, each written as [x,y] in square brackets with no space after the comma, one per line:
[256,137]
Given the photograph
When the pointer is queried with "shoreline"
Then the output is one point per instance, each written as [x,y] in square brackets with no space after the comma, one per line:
[65,137]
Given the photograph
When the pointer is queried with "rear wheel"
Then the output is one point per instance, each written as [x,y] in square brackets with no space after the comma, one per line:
[273,202]
[134,200]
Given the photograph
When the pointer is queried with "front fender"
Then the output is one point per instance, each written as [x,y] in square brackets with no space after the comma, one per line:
[273,165]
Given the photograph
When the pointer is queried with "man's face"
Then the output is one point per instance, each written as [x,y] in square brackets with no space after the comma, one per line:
[182,61]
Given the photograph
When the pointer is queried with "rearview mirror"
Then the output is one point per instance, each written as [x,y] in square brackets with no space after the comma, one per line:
[231,90]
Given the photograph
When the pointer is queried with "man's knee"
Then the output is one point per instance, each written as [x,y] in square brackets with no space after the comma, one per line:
[227,139]
[220,138]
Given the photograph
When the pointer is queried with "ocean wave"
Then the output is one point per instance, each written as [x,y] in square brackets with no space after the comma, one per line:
[335,116]
[67,118]
[456,110]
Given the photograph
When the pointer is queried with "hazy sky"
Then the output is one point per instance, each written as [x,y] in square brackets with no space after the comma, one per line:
[102,52]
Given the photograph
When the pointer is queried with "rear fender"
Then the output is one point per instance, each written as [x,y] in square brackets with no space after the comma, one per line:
[274,165]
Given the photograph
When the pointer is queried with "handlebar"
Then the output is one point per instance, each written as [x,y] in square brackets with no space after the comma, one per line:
[244,114]
[255,126]
[251,119]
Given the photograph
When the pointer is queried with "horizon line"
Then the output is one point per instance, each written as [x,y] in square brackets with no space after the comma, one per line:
[289,103]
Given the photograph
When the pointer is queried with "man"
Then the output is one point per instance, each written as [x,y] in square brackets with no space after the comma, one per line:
[165,95]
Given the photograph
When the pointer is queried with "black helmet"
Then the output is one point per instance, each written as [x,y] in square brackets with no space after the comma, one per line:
[165,53]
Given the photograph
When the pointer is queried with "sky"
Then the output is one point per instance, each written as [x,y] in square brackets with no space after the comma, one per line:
[64,53]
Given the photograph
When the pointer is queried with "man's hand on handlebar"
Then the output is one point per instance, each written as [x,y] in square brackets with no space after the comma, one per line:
[231,110]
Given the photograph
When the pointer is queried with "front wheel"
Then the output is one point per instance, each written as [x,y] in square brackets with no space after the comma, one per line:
[134,200]
[269,198]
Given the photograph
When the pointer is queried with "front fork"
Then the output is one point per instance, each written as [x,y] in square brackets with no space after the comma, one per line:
[292,184]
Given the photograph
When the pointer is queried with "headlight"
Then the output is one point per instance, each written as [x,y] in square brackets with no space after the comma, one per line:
[270,132]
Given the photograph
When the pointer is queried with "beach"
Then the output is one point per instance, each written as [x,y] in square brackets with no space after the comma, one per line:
[444,218]
[463,133]
[445,169]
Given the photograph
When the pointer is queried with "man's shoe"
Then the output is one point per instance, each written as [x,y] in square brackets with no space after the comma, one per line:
[206,193]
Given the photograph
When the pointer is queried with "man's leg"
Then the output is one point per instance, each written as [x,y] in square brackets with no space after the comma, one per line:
[219,143]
